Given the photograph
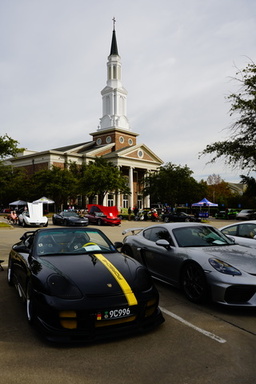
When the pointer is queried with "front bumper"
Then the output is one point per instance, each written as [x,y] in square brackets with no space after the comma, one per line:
[233,291]
[72,323]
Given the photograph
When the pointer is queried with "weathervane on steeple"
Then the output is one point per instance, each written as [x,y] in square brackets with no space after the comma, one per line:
[114,23]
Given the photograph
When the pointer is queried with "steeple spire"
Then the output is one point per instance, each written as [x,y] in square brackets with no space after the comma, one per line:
[114,50]
[114,94]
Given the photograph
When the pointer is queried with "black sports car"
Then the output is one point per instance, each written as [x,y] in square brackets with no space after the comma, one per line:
[78,287]
[69,218]
[178,216]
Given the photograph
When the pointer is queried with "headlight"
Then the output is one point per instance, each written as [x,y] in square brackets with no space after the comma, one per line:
[223,267]
[143,280]
[61,287]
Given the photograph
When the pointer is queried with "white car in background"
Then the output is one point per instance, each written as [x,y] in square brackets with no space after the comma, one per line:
[246,214]
[33,216]
[244,233]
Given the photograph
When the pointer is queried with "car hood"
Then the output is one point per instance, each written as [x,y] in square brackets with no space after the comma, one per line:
[77,219]
[89,274]
[241,257]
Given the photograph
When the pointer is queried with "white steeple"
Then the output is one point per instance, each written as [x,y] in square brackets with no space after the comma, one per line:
[114,95]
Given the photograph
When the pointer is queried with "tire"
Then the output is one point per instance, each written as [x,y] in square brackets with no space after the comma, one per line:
[126,249]
[187,220]
[99,222]
[30,312]
[166,220]
[194,283]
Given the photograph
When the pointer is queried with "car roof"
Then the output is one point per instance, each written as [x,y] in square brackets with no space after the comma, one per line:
[171,226]
[239,223]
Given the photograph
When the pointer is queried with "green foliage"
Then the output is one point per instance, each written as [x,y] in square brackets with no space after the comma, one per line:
[8,147]
[62,185]
[56,183]
[14,184]
[250,192]
[239,150]
[174,184]
[218,190]
[100,177]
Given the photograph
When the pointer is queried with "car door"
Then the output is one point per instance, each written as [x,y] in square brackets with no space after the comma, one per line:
[162,262]
[242,233]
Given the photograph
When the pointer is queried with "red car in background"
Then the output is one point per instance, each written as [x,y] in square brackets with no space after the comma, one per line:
[101,215]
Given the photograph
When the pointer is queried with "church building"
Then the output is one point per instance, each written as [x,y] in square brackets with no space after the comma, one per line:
[113,140]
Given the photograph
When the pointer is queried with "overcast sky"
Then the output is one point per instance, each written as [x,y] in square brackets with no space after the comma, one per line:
[178,58]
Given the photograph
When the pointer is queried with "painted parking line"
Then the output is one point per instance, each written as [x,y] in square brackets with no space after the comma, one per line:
[203,331]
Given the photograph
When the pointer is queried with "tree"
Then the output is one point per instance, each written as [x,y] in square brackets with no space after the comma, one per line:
[8,147]
[239,150]
[14,184]
[218,190]
[173,184]
[249,195]
[56,183]
[100,177]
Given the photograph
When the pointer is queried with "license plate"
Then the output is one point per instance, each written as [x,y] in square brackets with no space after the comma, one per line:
[113,314]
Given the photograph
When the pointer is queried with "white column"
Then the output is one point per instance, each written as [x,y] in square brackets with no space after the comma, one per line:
[131,187]
[117,201]
[105,200]
[146,200]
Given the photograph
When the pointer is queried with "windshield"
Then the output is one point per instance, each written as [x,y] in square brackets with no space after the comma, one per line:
[69,214]
[200,236]
[71,241]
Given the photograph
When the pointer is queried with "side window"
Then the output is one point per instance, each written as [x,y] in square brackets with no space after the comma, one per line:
[247,230]
[147,233]
[94,209]
[231,231]
[157,233]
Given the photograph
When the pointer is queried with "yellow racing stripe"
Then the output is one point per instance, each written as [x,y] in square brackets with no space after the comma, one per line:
[120,279]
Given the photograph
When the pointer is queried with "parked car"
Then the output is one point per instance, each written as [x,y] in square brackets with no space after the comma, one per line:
[244,233]
[228,214]
[77,286]
[6,210]
[69,218]
[246,214]
[179,216]
[197,258]
[101,215]
[33,216]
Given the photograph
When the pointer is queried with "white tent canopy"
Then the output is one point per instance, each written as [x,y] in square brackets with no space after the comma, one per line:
[44,200]
[18,202]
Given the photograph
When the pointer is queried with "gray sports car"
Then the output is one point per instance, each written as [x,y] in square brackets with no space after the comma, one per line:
[197,258]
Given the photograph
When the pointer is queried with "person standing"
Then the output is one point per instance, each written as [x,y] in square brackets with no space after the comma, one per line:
[129,213]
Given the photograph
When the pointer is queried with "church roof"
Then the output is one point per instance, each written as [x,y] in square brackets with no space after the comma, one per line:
[71,147]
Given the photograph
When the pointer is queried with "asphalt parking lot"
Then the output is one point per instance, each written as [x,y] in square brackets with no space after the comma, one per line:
[196,344]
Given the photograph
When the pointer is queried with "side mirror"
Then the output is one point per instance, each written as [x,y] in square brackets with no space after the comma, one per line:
[231,238]
[163,243]
[118,244]
[21,249]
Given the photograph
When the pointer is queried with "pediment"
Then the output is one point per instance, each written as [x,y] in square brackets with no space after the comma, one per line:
[139,152]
